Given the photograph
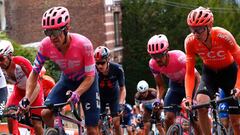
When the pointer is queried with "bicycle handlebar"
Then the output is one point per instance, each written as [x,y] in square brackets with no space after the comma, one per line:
[212,103]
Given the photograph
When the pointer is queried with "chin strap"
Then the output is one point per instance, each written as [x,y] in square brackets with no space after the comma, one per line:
[207,34]
[65,34]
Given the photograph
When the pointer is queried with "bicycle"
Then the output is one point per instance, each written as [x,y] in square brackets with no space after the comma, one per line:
[23,128]
[106,124]
[182,124]
[157,117]
[59,118]
[218,128]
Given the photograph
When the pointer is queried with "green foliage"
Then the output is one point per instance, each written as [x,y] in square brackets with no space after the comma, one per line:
[145,18]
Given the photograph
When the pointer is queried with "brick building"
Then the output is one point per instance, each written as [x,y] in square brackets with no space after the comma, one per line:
[99,20]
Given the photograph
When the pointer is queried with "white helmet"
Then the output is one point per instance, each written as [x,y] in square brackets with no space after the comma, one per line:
[142,86]
[6,48]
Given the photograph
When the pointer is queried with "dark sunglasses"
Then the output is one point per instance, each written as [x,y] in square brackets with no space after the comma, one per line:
[197,30]
[159,55]
[100,62]
[53,32]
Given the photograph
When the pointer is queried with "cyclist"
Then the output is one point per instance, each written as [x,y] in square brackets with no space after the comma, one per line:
[73,53]
[145,97]
[17,70]
[3,89]
[126,117]
[220,55]
[111,84]
[171,64]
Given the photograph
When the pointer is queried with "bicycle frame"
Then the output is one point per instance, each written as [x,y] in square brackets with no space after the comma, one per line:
[106,121]
[59,117]
[217,126]
[22,128]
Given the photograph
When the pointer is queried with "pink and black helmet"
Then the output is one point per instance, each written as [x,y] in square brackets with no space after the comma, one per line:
[157,44]
[55,18]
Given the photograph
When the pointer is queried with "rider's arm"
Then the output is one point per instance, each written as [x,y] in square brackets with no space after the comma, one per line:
[160,86]
[27,68]
[122,95]
[121,82]
[32,86]
[89,67]
[198,79]
[235,51]
[85,85]
[190,71]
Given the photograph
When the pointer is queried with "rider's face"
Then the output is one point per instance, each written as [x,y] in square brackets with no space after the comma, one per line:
[102,65]
[4,62]
[161,59]
[57,36]
[199,32]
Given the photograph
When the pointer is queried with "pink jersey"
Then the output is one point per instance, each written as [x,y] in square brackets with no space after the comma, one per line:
[76,63]
[176,68]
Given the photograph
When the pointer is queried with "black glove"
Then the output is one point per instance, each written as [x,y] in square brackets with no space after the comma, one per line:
[24,103]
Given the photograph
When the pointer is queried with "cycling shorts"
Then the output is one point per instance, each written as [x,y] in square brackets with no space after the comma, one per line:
[174,95]
[90,99]
[225,79]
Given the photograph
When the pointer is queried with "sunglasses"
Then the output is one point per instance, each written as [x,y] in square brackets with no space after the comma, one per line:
[159,55]
[100,62]
[197,30]
[53,32]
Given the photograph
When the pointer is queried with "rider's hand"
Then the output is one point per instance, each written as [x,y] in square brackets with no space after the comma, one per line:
[187,103]
[75,97]
[157,104]
[237,94]
[24,105]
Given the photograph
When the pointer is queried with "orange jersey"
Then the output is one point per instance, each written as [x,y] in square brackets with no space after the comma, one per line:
[47,83]
[224,50]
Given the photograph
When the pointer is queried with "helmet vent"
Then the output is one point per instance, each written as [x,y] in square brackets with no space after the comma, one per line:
[200,14]
[149,47]
[59,8]
[208,20]
[44,22]
[162,45]
[66,18]
[48,20]
[152,47]
[52,22]
[194,15]
[59,20]
[45,14]
[54,14]
[63,12]
[156,47]
[159,36]
[50,11]
[206,15]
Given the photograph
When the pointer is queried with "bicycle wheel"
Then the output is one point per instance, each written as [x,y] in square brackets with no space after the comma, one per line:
[175,129]
[51,131]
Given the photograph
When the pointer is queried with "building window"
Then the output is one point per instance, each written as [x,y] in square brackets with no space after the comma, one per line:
[116,29]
